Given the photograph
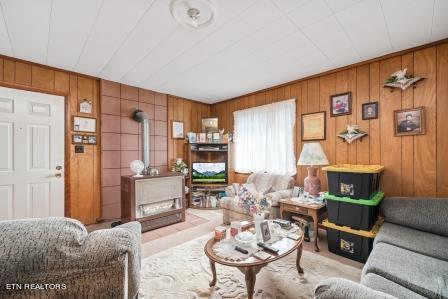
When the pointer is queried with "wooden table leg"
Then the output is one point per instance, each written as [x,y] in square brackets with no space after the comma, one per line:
[299,256]
[316,232]
[212,266]
[250,277]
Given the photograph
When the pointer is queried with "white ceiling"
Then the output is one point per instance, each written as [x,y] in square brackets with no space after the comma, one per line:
[253,44]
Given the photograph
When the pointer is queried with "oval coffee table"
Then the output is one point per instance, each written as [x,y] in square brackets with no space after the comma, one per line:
[251,265]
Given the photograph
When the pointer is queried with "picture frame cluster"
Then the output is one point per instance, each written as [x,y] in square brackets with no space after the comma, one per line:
[406,121]
[84,139]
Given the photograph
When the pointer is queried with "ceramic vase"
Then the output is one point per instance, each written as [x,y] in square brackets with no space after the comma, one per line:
[312,182]
[213,201]
[258,219]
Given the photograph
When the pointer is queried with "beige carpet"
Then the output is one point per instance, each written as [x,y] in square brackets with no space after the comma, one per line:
[183,272]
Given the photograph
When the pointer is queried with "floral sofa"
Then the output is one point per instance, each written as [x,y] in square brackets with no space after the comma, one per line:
[273,187]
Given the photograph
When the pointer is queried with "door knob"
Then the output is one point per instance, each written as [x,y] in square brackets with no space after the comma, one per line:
[58,167]
[58,175]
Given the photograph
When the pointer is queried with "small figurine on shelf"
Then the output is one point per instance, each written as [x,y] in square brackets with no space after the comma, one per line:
[180,166]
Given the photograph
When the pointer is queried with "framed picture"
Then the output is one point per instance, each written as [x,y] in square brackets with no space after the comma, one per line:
[297,191]
[191,137]
[409,121]
[313,126]
[201,137]
[265,232]
[85,106]
[370,110]
[178,129]
[91,139]
[341,104]
[216,137]
[84,124]
[210,125]
[209,137]
[76,138]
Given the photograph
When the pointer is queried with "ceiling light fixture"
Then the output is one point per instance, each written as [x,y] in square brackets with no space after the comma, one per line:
[193,13]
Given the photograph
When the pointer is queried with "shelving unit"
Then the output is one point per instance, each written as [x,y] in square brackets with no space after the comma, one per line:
[201,195]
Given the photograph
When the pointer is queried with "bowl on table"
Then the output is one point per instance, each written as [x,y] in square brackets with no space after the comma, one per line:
[245,238]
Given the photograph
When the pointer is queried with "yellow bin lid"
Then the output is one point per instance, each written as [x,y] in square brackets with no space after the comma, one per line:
[354,168]
[363,233]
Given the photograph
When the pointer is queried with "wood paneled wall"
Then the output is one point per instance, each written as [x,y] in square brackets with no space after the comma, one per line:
[82,171]
[415,165]
[191,113]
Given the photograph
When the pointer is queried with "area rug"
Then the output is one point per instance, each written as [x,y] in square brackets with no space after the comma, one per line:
[184,272]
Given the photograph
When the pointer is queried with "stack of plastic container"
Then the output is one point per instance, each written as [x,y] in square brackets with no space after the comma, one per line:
[353,208]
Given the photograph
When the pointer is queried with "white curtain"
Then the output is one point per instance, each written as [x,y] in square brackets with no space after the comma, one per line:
[264,138]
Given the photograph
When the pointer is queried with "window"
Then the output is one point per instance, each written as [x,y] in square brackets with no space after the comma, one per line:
[264,138]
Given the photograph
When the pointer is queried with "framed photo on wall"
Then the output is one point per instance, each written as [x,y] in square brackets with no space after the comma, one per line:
[91,139]
[76,139]
[341,104]
[85,106]
[177,129]
[314,126]
[84,124]
[370,110]
[409,121]
[209,125]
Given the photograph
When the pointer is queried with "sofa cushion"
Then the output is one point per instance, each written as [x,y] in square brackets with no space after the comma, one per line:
[340,288]
[265,181]
[231,203]
[422,274]
[425,214]
[414,240]
[381,284]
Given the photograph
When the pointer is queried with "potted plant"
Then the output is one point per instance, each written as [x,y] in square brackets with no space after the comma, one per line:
[180,166]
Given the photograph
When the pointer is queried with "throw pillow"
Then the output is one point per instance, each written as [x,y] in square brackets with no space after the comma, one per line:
[251,188]
[270,190]
[230,191]
[236,187]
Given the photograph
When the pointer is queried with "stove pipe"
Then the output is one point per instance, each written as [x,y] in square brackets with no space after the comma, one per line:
[142,117]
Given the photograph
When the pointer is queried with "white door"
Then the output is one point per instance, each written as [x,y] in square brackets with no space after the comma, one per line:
[31,154]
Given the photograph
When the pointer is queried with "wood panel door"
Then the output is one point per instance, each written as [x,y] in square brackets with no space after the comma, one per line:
[31,154]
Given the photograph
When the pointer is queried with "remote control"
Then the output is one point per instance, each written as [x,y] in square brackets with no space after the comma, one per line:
[267,247]
[282,222]
[241,250]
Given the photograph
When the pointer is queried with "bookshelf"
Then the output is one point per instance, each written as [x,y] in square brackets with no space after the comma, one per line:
[206,196]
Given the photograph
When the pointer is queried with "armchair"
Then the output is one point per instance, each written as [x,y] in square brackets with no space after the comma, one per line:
[60,259]
[274,186]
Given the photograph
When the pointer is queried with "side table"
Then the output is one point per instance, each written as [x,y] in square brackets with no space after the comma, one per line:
[315,211]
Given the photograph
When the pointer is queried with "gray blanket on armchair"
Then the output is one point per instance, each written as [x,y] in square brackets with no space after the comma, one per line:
[57,257]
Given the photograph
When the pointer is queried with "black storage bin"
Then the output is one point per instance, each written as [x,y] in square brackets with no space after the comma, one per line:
[354,181]
[352,244]
[354,213]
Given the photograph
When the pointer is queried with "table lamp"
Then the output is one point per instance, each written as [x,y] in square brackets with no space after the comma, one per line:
[312,155]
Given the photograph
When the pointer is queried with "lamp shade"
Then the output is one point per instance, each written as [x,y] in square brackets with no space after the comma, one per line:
[312,154]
